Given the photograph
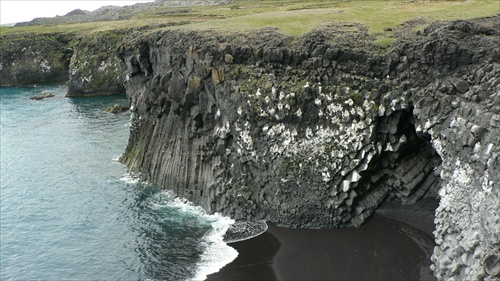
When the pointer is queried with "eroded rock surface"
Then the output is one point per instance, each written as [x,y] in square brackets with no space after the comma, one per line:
[318,132]
[94,69]
[31,59]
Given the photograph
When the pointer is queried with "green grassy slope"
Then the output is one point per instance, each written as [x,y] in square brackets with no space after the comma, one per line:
[292,17]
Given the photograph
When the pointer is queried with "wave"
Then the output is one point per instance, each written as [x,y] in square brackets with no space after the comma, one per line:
[216,253]
[117,158]
[129,178]
[221,229]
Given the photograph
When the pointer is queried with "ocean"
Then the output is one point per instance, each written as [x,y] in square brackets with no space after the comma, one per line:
[69,209]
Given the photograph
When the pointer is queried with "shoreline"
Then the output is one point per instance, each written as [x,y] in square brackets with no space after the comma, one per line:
[394,244]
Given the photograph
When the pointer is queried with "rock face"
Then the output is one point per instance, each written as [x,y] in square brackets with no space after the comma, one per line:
[87,62]
[94,69]
[34,59]
[317,132]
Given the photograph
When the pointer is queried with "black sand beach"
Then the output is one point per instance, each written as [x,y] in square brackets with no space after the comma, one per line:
[394,244]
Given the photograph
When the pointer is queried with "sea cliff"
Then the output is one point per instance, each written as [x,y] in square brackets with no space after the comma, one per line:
[94,67]
[87,62]
[318,131]
[34,58]
[315,131]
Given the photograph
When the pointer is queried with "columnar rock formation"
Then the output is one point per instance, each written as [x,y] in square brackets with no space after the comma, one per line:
[317,132]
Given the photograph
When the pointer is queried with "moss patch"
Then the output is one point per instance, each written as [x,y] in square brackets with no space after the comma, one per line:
[385,42]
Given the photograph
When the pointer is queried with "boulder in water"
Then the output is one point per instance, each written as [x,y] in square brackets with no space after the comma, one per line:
[43,97]
[117,108]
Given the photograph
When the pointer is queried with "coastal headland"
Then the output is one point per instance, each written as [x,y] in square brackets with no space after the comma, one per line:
[307,115]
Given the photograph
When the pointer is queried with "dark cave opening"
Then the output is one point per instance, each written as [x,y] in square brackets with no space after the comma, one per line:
[411,168]
[405,171]
[409,162]
[402,184]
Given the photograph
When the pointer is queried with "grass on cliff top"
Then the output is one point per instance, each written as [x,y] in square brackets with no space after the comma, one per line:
[295,17]
[292,17]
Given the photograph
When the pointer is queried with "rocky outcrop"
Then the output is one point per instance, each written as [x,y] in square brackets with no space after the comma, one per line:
[87,62]
[317,132]
[94,69]
[31,58]
[117,108]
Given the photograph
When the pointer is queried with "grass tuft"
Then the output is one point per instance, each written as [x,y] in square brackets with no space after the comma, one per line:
[385,42]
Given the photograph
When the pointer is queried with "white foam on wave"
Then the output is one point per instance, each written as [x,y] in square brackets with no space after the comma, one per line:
[117,158]
[130,178]
[217,253]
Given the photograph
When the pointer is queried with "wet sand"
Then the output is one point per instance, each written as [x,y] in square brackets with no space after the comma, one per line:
[394,244]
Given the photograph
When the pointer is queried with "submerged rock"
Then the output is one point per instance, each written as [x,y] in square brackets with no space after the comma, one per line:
[43,97]
[117,108]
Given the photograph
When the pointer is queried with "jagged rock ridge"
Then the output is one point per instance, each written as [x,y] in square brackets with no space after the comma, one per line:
[317,133]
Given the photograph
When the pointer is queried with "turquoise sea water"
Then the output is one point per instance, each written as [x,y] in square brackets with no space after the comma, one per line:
[69,211]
